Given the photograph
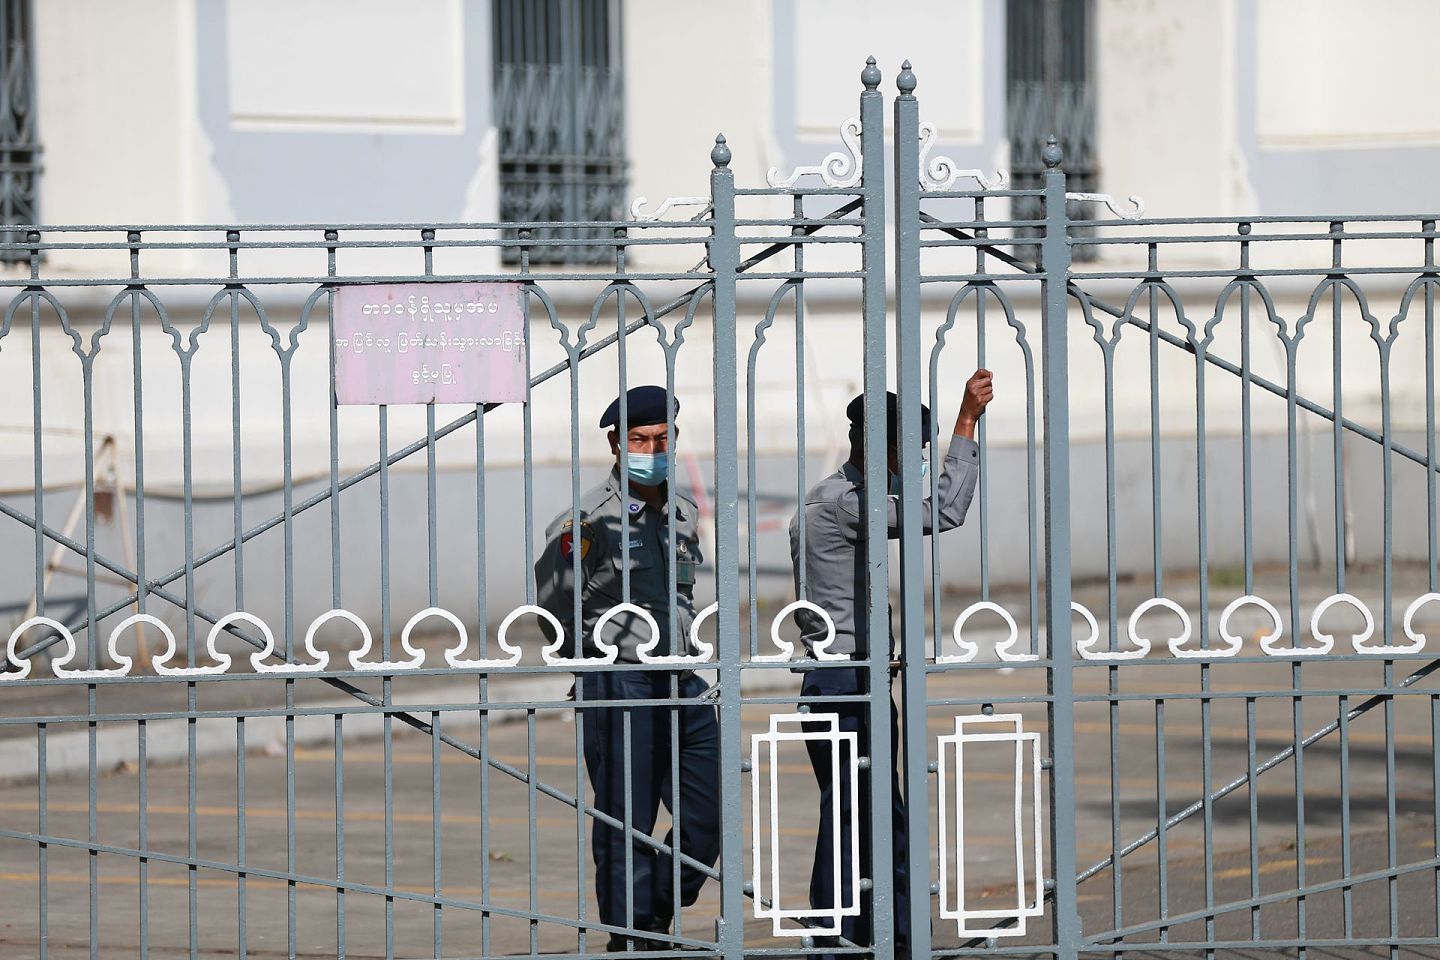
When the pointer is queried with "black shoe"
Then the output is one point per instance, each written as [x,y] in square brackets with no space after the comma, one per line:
[626,943]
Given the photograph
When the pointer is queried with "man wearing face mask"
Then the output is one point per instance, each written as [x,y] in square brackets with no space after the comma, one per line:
[627,522]
[834,554]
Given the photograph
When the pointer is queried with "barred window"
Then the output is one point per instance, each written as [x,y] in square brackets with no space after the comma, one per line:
[559,95]
[1048,87]
[19,146]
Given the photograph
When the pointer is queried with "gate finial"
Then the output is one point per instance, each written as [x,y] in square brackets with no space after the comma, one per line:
[870,76]
[906,81]
[720,154]
[1052,155]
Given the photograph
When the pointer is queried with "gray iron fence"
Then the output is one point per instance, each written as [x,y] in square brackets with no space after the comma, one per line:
[195,746]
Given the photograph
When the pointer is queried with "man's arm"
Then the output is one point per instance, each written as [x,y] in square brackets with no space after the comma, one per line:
[979,391]
[555,583]
[961,467]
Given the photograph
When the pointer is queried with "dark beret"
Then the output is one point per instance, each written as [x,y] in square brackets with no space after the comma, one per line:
[856,412]
[644,407]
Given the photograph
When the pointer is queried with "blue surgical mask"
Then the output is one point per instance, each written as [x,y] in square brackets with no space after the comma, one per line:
[647,469]
[895,478]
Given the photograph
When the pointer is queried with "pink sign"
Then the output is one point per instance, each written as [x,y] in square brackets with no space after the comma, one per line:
[429,343]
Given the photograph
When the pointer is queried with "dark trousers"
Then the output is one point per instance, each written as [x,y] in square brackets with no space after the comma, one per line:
[646,761]
[854,718]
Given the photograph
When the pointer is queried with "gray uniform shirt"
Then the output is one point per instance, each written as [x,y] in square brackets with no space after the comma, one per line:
[835,543]
[607,523]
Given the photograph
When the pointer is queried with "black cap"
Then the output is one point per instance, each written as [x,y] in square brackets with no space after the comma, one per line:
[644,407]
[856,412]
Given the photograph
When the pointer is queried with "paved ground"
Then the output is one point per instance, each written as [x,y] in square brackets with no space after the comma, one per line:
[553,855]
[486,850]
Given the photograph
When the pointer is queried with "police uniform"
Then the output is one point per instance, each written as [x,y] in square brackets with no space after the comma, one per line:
[834,557]
[612,527]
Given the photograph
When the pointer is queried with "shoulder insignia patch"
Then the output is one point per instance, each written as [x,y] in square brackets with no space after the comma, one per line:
[567,541]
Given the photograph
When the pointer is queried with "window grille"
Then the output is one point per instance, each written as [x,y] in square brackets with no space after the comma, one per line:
[1048,66]
[559,96]
[19,145]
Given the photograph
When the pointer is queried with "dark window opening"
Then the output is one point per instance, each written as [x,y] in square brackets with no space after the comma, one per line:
[559,107]
[1049,89]
[19,143]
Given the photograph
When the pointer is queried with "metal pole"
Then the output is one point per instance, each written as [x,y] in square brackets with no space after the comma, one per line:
[725,261]
[912,562]
[877,544]
[1055,400]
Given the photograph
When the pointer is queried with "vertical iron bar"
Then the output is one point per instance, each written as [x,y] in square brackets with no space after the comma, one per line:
[1162,833]
[533,849]
[192,833]
[1112,520]
[622,341]
[331,236]
[38,425]
[1337,433]
[485,920]
[1157,520]
[1433,537]
[1206,771]
[432,533]
[1247,459]
[340,836]
[187,468]
[232,239]
[676,838]
[241,895]
[1435,794]
[42,826]
[87,372]
[1347,866]
[877,785]
[482,625]
[1392,847]
[436,830]
[1253,796]
[1202,531]
[752,538]
[287,466]
[627,762]
[802,577]
[142,836]
[1292,477]
[1117,841]
[725,261]
[383,416]
[1055,250]
[982,482]
[912,569]
[1298,734]
[141,587]
[389,788]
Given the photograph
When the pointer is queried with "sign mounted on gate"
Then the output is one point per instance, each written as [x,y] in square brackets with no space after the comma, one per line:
[429,343]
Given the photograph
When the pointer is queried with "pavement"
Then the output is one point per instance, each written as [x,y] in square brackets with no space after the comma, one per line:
[472,841]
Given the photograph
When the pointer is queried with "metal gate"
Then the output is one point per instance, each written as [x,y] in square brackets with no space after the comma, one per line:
[205,753]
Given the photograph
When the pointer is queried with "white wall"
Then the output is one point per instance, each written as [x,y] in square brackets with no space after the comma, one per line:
[1165,83]
[1334,73]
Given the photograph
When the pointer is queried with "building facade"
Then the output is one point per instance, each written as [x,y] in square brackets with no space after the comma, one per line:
[354,112]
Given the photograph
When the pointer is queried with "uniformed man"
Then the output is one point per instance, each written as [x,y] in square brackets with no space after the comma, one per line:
[835,562]
[580,575]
